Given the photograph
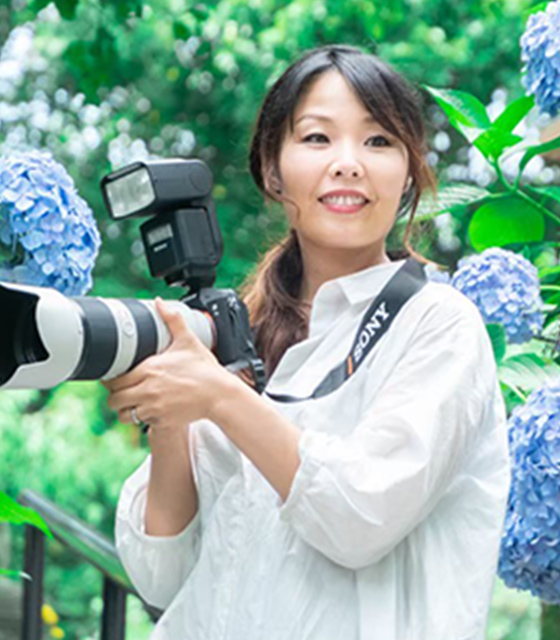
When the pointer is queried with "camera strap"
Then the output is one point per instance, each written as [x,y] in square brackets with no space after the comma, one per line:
[407,281]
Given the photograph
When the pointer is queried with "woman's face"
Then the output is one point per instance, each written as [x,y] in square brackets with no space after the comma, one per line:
[336,146]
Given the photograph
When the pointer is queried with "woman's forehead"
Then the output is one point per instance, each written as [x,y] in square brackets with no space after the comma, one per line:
[329,87]
[329,98]
[324,117]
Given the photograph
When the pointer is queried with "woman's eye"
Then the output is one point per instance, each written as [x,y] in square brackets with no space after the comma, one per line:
[380,141]
[314,135]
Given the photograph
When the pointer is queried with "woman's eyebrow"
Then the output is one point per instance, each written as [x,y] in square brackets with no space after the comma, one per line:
[318,116]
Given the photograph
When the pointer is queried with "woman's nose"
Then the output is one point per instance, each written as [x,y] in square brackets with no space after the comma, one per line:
[346,164]
[346,171]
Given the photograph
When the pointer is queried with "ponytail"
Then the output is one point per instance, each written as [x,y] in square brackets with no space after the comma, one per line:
[278,318]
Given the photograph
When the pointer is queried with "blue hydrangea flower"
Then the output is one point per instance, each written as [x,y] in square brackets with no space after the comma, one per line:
[505,287]
[530,548]
[49,229]
[540,51]
[434,274]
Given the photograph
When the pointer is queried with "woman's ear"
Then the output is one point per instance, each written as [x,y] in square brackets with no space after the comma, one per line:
[272,181]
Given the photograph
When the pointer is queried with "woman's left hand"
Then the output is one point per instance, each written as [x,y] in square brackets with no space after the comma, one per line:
[172,388]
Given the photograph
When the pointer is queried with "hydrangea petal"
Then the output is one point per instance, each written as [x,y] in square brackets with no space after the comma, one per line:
[540,51]
[41,210]
[506,289]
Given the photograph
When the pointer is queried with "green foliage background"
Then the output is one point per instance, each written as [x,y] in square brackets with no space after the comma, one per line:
[120,79]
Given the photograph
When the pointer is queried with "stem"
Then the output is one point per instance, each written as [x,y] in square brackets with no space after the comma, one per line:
[522,147]
[550,287]
[518,393]
[543,339]
[501,176]
[539,206]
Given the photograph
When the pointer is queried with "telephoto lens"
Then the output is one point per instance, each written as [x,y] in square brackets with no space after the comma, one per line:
[47,338]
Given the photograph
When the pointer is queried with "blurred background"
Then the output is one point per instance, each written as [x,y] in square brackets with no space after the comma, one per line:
[102,84]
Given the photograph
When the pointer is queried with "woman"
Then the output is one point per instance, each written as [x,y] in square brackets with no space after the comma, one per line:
[374,511]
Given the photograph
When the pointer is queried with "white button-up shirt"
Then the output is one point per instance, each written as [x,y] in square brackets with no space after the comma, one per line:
[392,526]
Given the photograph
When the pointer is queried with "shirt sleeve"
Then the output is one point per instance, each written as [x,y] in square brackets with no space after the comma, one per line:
[156,565]
[355,498]
[159,565]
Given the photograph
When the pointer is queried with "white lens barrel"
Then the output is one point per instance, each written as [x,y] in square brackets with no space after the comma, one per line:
[127,338]
[61,331]
[197,322]
[82,338]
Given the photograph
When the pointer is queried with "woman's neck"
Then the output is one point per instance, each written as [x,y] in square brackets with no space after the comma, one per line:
[320,267]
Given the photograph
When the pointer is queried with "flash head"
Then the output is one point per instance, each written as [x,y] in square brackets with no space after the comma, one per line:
[155,186]
[182,238]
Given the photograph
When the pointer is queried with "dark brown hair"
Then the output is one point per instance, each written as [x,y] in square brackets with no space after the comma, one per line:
[278,317]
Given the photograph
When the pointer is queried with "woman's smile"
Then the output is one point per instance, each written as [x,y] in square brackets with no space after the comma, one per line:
[342,207]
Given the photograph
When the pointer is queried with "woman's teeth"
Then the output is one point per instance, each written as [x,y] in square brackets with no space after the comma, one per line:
[346,201]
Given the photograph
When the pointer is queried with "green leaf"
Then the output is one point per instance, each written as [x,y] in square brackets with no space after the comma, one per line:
[12,511]
[551,299]
[470,133]
[97,56]
[497,335]
[527,371]
[67,8]
[465,112]
[14,574]
[38,5]
[535,150]
[493,141]
[550,191]
[449,198]
[505,220]
[138,7]
[538,7]
[200,12]
[550,315]
[204,51]
[544,272]
[180,31]
[512,115]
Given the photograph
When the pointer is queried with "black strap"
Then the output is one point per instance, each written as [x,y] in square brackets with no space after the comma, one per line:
[407,281]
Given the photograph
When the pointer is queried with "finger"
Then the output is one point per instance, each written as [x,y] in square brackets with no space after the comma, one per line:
[124,399]
[180,332]
[125,416]
[127,380]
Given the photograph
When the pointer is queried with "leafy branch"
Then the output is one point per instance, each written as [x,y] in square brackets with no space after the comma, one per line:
[515,215]
[13,512]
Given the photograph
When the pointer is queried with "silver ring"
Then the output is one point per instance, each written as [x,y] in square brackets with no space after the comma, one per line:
[140,423]
[134,416]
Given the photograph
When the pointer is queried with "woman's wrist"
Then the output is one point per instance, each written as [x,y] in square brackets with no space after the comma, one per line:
[229,388]
[167,437]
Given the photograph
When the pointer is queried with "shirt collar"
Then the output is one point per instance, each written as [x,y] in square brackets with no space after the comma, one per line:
[362,285]
[334,296]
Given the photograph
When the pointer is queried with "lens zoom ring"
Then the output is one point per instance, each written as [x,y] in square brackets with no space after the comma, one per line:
[146,330]
[100,340]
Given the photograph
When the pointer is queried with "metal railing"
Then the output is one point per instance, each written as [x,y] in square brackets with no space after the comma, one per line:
[94,548]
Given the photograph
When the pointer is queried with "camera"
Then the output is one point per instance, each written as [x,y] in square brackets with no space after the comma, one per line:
[47,338]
